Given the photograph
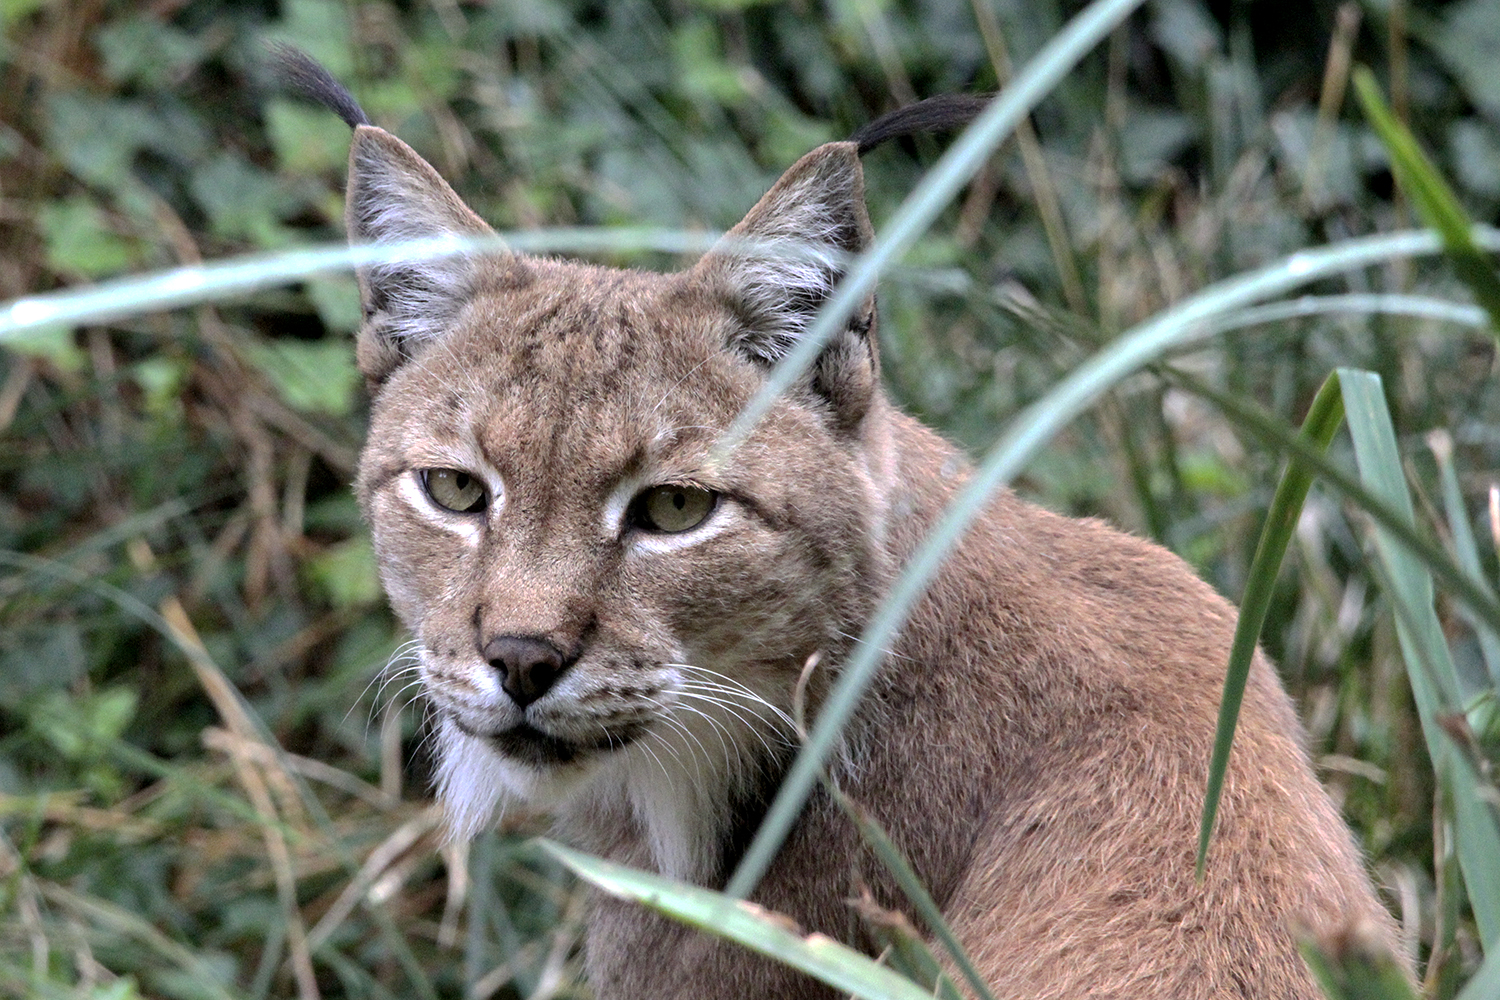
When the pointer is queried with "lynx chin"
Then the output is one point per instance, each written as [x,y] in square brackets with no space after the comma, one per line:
[612,626]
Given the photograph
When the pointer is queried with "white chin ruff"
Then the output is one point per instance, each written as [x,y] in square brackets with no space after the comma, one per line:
[475,783]
[471,781]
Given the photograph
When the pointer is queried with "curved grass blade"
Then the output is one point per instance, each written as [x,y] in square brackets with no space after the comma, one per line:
[1360,304]
[1322,422]
[218,280]
[746,924]
[1429,665]
[1434,199]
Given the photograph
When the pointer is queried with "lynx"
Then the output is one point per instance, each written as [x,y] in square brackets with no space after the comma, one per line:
[612,625]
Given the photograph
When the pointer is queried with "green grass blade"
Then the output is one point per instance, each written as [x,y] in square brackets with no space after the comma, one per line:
[1358,304]
[1434,680]
[937,188]
[220,280]
[1028,433]
[1322,422]
[1465,547]
[1434,199]
[838,965]
[895,862]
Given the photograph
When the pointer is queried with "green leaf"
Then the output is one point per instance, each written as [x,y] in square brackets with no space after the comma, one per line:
[148,51]
[80,243]
[54,343]
[1434,199]
[316,376]
[1322,421]
[754,927]
[346,572]
[336,298]
[243,201]
[1429,665]
[307,140]
[12,11]
[160,379]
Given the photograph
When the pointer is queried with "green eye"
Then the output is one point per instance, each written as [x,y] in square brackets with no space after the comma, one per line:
[671,509]
[455,490]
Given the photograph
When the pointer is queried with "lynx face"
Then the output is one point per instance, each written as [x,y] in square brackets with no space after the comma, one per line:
[598,603]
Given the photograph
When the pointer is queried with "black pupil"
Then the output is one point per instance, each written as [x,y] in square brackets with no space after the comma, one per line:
[461,480]
[679,500]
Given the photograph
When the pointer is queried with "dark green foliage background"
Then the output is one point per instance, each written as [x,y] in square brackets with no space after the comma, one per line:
[201,459]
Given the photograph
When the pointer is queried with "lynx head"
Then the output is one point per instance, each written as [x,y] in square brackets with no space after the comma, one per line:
[600,608]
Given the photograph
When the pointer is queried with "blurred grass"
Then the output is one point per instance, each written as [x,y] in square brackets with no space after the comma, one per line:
[167,834]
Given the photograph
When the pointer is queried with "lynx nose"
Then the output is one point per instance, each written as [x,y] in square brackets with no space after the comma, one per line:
[527,667]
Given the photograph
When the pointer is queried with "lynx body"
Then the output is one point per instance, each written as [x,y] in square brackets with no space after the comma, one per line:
[612,625]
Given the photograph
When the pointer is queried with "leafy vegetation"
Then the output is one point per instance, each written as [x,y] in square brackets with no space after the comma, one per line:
[210,776]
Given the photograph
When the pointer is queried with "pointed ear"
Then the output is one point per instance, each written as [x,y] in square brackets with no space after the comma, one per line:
[395,196]
[783,261]
[786,256]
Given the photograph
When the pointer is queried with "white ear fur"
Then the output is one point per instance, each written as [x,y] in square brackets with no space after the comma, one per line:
[785,257]
[395,196]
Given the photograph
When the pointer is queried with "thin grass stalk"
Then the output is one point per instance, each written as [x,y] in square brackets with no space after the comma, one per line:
[1322,422]
[1048,206]
[1026,435]
[895,862]
[240,276]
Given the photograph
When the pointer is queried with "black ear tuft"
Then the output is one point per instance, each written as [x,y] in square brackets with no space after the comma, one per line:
[936,114]
[304,76]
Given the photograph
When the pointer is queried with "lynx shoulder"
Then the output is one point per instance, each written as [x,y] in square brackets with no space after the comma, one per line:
[612,624]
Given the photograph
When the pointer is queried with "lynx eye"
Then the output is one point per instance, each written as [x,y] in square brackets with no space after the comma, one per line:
[673,508]
[455,490]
